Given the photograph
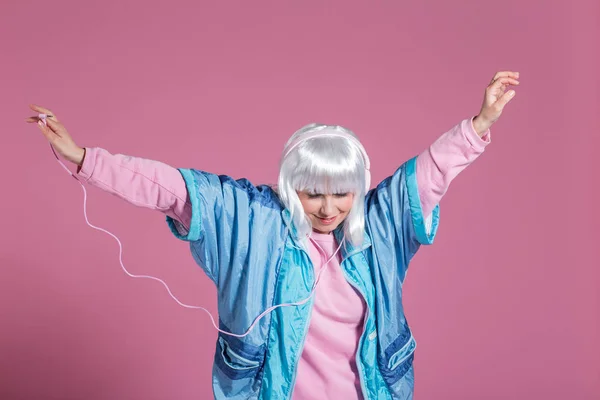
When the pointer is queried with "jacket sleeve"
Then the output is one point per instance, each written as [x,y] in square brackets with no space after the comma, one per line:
[230,225]
[395,220]
[394,210]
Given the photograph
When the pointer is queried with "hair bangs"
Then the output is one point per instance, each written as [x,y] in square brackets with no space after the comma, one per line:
[328,165]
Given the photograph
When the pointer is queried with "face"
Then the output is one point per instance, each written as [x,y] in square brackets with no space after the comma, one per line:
[326,211]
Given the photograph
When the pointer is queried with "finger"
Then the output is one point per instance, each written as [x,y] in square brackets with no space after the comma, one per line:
[503,74]
[55,126]
[506,97]
[504,82]
[47,132]
[43,110]
[36,118]
[40,109]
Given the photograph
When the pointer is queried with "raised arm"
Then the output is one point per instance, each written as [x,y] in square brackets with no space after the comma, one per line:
[438,165]
[441,162]
[141,182]
[403,209]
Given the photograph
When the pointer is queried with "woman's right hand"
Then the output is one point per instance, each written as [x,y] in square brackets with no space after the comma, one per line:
[57,135]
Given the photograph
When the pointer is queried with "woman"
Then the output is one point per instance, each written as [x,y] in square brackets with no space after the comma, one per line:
[345,337]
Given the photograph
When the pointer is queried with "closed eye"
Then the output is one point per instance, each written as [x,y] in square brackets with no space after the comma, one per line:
[316,195]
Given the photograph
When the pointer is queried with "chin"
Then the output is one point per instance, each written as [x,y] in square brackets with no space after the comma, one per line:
[324,229]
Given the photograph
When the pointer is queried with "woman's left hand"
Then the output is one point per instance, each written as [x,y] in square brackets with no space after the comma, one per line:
[495,99]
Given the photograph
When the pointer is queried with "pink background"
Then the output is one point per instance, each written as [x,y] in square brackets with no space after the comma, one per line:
[504,305]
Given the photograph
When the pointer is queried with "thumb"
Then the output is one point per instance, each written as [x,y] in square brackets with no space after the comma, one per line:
[55,126]
[48,133]
[506,97]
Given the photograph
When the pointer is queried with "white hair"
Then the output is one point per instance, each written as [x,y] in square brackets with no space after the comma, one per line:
[325,165]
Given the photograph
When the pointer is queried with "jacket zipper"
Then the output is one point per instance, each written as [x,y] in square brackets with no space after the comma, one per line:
[301,348]
[357,355]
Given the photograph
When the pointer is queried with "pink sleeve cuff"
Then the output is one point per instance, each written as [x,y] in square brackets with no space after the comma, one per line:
[474,139]
[89,162]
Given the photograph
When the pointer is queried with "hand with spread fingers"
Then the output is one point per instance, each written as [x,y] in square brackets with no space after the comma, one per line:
[57,135]
[496,97]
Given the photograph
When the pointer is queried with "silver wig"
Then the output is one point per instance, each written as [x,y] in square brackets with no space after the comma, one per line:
[324,165]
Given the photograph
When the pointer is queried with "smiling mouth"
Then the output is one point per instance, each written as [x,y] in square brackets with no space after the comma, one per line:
[326,221]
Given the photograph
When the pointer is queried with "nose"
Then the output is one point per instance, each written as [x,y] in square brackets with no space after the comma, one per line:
[328,207]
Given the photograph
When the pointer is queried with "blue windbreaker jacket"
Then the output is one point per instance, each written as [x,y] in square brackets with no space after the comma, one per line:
[243,238]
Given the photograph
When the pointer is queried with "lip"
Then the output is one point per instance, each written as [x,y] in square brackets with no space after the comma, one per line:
[327,221]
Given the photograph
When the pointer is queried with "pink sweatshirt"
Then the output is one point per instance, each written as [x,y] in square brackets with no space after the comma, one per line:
[327,367]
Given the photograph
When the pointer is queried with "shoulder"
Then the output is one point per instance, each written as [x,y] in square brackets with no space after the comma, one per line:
[240,189]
